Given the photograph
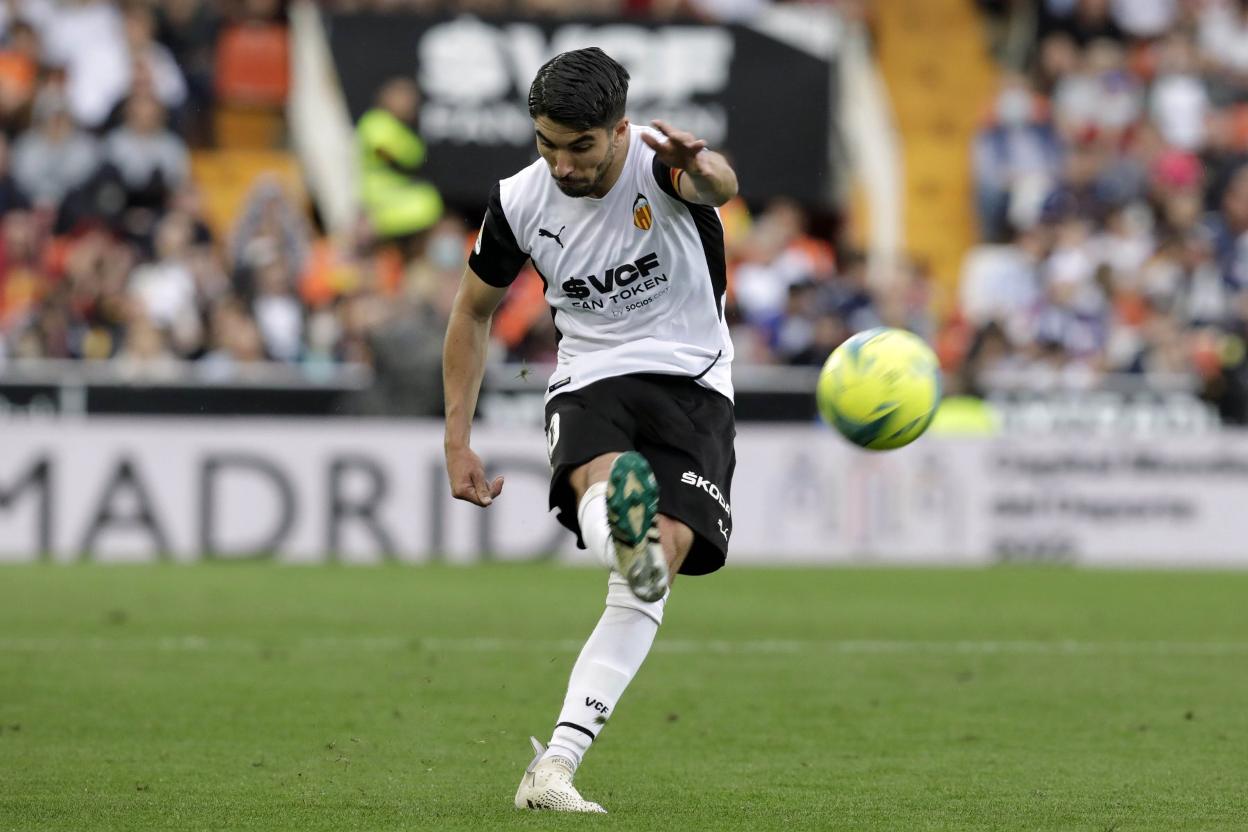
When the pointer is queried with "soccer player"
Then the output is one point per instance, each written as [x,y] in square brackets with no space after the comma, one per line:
[620,223]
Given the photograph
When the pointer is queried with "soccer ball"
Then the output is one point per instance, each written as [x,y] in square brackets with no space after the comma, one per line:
[880,388]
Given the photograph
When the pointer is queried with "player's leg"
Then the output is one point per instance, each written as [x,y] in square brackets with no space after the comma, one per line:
[582,428]
[677,539]
[623,636]
[588,484]
[617,501]
[622,639]
[613,654]
[610,659]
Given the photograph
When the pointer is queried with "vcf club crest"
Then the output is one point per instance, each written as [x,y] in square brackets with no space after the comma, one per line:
[643,217]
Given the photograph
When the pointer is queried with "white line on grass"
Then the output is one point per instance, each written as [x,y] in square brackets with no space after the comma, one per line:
[435,644]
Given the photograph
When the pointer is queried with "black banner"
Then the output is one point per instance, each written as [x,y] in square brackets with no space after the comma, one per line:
[764,103]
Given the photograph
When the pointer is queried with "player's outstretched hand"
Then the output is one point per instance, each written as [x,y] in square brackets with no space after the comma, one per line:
[468,480]
[679,150]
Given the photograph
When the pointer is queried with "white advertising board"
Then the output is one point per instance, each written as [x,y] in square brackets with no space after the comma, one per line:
[367,491]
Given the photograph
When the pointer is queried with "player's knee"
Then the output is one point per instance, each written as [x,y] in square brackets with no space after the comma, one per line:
[596,470]
[619,595]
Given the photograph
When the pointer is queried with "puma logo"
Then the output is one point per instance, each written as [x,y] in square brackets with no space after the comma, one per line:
[542,232]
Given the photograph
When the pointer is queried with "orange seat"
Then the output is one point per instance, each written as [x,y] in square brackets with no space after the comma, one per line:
[226,178]
[253,65]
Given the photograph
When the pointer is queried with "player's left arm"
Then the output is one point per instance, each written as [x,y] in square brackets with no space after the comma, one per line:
[699,174]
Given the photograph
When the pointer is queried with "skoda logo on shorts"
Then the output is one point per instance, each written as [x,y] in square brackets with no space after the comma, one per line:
[712,490]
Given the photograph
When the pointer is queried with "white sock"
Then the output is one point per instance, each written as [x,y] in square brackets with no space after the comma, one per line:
[608,662]
[591,514]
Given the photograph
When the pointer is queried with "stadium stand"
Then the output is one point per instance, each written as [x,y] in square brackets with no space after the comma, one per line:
[151,212]
[1112,199]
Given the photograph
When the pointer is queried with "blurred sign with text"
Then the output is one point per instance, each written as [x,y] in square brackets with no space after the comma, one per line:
[764,102]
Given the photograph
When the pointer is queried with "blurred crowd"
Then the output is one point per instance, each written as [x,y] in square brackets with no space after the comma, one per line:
[107,251]
[725,11]
[105,248]
[1111,182]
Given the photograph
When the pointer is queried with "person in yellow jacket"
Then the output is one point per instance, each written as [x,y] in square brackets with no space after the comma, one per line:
[398,204]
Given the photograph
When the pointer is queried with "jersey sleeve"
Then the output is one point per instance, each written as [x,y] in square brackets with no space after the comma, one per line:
[667,178]
[496,258]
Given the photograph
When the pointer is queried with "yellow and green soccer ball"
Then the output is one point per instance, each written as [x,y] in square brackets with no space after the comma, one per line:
[880,388]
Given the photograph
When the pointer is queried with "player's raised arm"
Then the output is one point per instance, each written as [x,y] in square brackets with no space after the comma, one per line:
[706,177]
[463,365]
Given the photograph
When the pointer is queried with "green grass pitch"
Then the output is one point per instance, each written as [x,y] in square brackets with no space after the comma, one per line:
[260,697]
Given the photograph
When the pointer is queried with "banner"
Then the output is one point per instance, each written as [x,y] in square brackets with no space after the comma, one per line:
[117,490]
[764,102]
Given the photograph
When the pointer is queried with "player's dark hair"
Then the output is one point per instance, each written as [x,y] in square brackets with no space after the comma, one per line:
[581,89]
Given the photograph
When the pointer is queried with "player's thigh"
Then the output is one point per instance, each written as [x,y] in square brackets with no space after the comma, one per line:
[585,430]
[597,469]
[694,467]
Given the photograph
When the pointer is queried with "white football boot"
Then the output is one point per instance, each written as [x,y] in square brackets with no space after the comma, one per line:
[547,784]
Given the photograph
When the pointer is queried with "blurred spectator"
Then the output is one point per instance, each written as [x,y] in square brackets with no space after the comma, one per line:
[1014,148]
[145,355]
[778,254]
[151,160]
[1223,41]
[234,342]
[12,197]
[1179,102]
[277,310]
[153,71]
[407,354]
[189,28]
[19,72]
[1229,231]
[54,157]
[1099,99]
[391,152]
[1083,20]
[166,288]
[269,227]
[21,273]
[1000,284]
[1144,18]
[991,352]
[87,39]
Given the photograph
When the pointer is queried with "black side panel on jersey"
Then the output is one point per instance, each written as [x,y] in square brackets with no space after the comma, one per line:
[553,317]
[498,259]
[710,232]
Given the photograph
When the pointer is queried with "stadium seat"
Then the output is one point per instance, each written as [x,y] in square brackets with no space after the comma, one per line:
[938,72]
[225,178]
[253,65]
[248,128]
[252,82]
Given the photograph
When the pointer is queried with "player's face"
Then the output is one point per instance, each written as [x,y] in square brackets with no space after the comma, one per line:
[580,160]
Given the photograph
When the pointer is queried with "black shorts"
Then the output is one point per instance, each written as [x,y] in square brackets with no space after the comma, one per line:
[684,430]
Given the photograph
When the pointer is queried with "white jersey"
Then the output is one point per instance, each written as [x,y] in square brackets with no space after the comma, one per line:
[635,280]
